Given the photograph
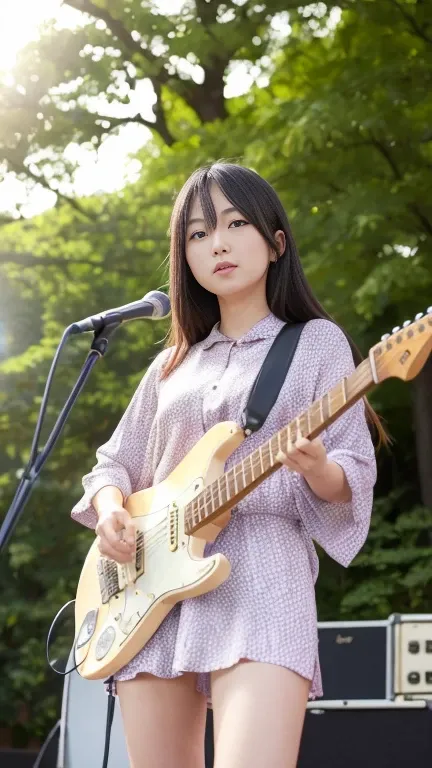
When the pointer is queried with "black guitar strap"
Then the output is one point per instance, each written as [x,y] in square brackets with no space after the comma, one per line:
[271,377]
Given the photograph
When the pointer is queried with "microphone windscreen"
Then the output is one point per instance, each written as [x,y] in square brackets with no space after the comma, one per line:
[160,302]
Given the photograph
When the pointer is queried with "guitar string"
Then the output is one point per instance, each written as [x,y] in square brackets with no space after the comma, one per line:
[208,494]
[264,453]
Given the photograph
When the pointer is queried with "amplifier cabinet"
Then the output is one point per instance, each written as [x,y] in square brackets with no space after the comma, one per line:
[412,655]
[355,659]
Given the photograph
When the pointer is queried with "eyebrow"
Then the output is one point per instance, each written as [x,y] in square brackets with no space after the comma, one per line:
[223,213]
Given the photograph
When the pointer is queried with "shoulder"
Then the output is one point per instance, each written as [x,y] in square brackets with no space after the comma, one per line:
[154,372]
[325,347]
[324,332]
[160,360]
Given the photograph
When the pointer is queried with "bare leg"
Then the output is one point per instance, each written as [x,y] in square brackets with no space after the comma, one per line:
[258,714]
[164,721]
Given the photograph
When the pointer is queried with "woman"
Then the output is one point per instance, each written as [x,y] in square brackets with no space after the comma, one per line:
[252,643]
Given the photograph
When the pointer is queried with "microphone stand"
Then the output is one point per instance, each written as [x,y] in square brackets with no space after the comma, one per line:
[38,459]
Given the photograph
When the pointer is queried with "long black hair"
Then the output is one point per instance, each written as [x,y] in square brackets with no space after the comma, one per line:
[289,295]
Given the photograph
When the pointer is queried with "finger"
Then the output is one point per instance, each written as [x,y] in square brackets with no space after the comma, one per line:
[303,444]
[109,534]
[125,520]
[113,554]
[287,460]
[314,449]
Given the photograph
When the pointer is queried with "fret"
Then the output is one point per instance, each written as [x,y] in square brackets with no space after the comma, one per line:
[321,407]
[222,490]
[195,510]
[240,476]
[206,501]
[271,451]
[279,441]
[251,463]
[309,428]
[226,489]
[243,474]
[235,480]
[267,455]
[199,500]
[302,420]
[229,483]
[316,411]
[292,434]
[325,401]
[261,459]
[345,390]
[334,400]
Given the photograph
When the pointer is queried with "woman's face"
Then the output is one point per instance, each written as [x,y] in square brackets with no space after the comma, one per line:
[232,258]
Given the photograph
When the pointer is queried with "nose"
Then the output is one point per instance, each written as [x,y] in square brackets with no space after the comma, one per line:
[219,244]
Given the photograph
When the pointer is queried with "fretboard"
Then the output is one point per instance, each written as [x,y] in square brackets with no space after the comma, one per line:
[242,478]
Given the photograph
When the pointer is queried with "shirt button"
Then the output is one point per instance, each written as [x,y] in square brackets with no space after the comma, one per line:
[214,386]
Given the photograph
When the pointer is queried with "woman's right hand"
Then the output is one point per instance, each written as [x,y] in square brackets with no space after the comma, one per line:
[116,534]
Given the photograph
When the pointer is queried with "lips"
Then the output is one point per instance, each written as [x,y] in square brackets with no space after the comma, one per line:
[224,265]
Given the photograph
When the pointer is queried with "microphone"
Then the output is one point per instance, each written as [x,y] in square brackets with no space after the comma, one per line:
[152,306]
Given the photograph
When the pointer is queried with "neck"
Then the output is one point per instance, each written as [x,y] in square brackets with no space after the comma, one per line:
[224,493]
[240,314]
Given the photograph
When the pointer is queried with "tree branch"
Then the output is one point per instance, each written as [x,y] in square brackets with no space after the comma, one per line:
[121,33]
[385,152]
[207,106]
[159,125]
[412,22]
[413,207]
[21,168]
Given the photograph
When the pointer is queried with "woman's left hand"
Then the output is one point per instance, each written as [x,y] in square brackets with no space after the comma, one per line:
[307,457]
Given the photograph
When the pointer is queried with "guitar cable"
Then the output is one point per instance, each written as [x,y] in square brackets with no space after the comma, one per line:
[109,683]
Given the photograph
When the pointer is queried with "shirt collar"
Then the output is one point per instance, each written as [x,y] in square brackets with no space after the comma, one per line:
[266,328]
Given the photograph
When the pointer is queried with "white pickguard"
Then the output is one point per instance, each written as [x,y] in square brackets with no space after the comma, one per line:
[164,571]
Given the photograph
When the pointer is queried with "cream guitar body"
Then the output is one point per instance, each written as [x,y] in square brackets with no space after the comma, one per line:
[118,608]
[169,564]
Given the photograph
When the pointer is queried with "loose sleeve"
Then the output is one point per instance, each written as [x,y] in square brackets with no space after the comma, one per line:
[120,460]
[340,528]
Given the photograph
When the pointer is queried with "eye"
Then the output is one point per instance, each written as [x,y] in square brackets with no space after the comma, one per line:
[194,235]
[238,223]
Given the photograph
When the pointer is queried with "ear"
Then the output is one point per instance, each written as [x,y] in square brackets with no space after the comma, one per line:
[281,244]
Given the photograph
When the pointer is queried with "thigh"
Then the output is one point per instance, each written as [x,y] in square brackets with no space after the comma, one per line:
[164,721]
[258,712]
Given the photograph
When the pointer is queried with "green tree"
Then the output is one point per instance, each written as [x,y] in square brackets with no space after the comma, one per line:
[342,130]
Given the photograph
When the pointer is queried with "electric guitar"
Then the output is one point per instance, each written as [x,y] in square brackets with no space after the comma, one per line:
[119,607]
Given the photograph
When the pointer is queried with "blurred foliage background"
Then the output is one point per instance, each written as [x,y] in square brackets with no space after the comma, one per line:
[338,117]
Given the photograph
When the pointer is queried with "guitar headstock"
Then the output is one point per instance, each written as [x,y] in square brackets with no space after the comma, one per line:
[404,351]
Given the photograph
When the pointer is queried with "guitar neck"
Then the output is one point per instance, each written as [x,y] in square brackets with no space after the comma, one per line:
[225,492]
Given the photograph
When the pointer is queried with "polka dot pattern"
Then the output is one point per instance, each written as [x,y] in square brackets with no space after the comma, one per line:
[266,610]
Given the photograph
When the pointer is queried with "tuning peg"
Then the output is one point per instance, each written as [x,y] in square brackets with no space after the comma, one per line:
[406,323]
[418,316]
[396,329]
[385,337]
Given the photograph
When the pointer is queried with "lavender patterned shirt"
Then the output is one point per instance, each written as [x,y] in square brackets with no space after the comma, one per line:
[266,610]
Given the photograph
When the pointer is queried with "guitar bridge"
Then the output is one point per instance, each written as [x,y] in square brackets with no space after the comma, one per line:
[108,578]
